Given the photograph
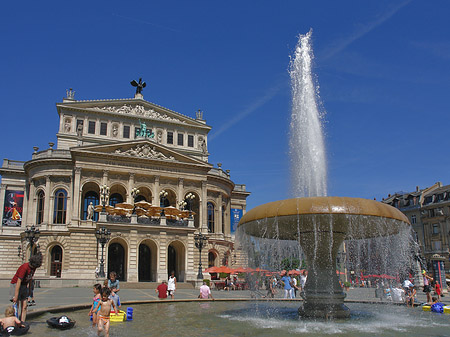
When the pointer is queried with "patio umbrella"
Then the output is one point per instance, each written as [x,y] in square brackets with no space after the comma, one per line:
[170,210]
[124,205]
[140,211]
[224,269]
[212,270]
[143,204]
[294,272]
[99,208]
[241,270]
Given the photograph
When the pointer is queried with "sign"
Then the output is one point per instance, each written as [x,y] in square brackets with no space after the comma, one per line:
[236,215]
[12,212]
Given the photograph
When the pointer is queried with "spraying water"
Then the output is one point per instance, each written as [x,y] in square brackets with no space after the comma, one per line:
[307,149]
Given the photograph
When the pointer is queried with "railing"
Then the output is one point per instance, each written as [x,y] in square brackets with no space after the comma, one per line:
[146,221]
[52,153]
[12,164]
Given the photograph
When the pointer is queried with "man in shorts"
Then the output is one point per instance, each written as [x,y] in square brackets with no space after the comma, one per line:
[20,283]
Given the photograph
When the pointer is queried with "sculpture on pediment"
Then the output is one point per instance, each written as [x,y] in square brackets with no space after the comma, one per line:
[115,130]
[144,151]
[139,85]
[202,145]
[67,123]
[138,110]
[80,130]
[159,137]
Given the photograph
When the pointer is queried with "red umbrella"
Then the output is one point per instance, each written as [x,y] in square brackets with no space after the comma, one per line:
[294,272]
[241,270]
[224,269]
[212,270]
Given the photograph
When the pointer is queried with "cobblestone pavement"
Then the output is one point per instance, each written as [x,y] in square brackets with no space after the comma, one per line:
[52,297]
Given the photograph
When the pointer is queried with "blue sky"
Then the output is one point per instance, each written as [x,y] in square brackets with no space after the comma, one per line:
[383,69]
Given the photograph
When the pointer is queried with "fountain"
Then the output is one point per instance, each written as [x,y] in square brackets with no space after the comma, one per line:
[319,223]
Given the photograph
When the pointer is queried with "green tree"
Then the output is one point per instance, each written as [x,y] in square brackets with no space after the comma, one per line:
[290,263]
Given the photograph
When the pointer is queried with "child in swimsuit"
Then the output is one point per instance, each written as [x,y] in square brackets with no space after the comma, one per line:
[104,312]
[10,321]
[96,303]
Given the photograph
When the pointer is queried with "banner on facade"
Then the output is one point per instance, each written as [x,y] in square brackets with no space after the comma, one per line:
[12,212]
[236,215]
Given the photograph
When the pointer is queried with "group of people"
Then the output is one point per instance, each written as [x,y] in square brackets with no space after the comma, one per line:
[105,301]
[290,284]
[167,288]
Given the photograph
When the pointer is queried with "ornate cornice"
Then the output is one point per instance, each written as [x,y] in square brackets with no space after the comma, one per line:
[144,151]
[138,110]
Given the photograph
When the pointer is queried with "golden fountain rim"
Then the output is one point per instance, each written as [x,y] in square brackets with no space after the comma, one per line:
[323,205]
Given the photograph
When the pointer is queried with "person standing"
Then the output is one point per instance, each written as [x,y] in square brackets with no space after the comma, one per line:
[20,283]
[205,292]
[172,285]
[426,285]
[286,282]
[303,277]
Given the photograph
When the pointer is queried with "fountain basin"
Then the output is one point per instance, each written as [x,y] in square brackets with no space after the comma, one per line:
[320,225]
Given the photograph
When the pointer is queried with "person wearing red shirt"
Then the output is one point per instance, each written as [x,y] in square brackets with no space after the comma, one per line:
[437,290]
[162,290]
[19,288]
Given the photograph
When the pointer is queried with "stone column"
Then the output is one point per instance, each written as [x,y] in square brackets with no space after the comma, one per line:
[2,199]
[47,207]
[155,192]
[130,187]
[69,202]
[29,204]
[203,216]
[132,258]
[162,257]
[191,264]
[180,191]
[76,195]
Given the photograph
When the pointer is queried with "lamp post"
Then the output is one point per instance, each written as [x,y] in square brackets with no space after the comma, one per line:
[32,235]
[103,234]
[104,194]
[190,198]
[134,194]
[162,197]
[200,240]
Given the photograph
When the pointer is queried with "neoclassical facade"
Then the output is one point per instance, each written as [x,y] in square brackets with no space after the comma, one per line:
[125,145]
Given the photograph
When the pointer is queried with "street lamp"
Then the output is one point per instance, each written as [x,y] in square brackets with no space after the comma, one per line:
[134,194]
[32,235]
[103,234]
[162,199]
[104,194]
[190,198]
[200,240]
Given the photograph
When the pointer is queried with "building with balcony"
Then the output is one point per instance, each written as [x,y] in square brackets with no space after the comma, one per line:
[123,145]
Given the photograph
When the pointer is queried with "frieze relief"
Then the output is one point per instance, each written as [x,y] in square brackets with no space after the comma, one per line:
[64,180]
[92,174]
[144,151]
[39,182]
[138,110]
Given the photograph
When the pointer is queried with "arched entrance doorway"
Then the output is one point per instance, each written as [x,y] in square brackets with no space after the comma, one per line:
[147,261]
[145,269]
[211,259]
[116,260]
[56,261]
[176,260]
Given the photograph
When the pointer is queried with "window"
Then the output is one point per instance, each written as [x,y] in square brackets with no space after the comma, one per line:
[91,128]
[190,140]
[431,213]
[413,219]
[103,129]
[180,139]
[115,198]
[210,217]
[126,131]
[59,214]
[436,228]
[223,219]
[90,196]
[436,245]
[169,137]
[56,261]
[40,207]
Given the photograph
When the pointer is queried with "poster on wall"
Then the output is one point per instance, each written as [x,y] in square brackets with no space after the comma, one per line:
[236,215]
[12,212]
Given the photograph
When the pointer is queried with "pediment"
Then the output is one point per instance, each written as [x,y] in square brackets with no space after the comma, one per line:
[137,108]
[138,150]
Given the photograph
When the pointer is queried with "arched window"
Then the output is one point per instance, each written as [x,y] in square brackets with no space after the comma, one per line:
[210,207]
[40,207]
[211,259]
[89,197]
[140,198]
[115,198]
[59,215]
[223,219]
[56,261]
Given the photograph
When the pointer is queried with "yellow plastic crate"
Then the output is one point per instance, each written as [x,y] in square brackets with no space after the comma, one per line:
[120,317]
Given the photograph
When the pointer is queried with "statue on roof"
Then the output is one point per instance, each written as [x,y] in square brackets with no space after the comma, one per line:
[139,85]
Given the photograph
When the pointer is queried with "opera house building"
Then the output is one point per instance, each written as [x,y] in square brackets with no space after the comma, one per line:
[128,187]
